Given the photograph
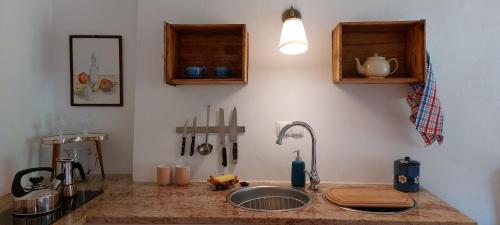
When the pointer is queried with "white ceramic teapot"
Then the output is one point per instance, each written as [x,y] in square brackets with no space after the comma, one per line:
[376,66]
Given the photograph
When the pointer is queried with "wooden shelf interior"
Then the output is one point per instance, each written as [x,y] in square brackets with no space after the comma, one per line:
[404,40]
[209,46]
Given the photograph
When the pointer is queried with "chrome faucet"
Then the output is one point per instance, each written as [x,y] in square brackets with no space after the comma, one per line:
[313,175]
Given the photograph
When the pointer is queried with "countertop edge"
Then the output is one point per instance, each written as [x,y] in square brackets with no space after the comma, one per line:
[123,200]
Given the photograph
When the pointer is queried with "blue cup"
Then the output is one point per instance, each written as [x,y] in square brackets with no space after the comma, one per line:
[196,71]
[222,71]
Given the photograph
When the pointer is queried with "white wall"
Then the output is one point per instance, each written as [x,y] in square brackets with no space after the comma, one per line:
[109,17]
[25,97]
[35,76]
[361,129]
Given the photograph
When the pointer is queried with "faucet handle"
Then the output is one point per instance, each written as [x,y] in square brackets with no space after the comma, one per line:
[314,180]
[307,172]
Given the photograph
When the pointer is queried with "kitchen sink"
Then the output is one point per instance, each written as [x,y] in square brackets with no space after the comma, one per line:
[269,198]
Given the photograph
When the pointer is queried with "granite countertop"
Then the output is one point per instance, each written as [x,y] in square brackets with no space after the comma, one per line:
[127,202]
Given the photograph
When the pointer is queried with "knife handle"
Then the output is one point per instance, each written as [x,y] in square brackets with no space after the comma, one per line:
[183,145]
[191,152]
[224,156]
[235,152]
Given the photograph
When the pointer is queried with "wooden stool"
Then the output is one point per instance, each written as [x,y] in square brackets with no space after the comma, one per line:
[56,142]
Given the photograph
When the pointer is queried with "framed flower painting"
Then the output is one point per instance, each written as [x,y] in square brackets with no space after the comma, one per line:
[96,70]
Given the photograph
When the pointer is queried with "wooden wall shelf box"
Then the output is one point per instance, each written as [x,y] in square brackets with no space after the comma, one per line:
[206,45]
[404,40]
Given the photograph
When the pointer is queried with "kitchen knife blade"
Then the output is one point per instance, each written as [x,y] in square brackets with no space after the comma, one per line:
[184,138]
[233,134]
[193,137]
[222,136]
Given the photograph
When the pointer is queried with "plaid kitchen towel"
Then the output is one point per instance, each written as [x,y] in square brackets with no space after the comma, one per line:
[425,106]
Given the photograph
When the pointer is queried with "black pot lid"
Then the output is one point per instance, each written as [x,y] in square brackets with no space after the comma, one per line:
[407,161]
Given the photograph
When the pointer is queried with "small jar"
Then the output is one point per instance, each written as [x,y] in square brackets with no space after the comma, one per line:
[406,175]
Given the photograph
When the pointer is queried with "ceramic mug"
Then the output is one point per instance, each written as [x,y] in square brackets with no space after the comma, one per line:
[163,174]
[196,71]
[182,175]
[222,71]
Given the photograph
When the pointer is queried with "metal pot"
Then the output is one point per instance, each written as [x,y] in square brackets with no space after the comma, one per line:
[39,197]
[68,187]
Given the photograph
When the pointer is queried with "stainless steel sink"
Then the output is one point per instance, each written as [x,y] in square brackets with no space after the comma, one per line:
[269,198]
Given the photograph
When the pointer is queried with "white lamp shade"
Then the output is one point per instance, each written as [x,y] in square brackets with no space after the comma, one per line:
[293,39]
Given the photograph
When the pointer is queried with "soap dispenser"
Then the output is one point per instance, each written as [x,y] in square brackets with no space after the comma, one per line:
[298,172]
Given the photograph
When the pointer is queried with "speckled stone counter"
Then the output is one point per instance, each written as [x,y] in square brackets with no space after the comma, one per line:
[127,202]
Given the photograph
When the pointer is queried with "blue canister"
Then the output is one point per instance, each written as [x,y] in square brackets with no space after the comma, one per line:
[406,175]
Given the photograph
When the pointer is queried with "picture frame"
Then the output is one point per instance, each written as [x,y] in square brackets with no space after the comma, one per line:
[96,70]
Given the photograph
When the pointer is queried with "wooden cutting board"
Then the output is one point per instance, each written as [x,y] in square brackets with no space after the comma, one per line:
[369,197]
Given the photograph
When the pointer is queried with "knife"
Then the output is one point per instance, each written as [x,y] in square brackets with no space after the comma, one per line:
[193,137]
[222,136]
[233,134]
[184,138]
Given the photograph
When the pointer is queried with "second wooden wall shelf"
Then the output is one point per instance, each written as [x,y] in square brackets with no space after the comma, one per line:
[206,46]
[404,40]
